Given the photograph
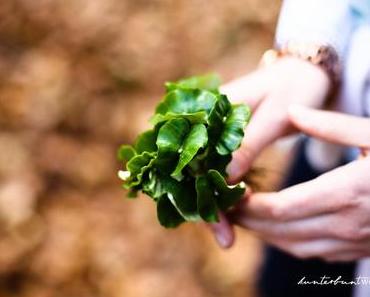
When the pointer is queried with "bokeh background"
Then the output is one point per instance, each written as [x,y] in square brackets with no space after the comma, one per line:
[78,78]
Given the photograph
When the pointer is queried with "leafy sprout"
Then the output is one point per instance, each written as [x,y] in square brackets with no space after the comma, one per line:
[180,163]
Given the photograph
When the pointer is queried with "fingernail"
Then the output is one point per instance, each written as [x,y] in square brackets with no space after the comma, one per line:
[222,240]
[233,170]
[221,234]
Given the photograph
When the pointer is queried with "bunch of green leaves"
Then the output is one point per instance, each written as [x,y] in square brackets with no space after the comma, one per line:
[180,163]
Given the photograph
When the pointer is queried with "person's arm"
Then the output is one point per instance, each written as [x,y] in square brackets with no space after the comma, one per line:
[271,90]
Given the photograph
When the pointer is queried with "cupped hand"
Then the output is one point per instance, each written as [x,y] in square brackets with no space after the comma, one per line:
[269,91]
[328,217]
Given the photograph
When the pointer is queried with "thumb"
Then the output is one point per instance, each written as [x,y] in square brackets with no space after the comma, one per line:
[223,232]
[331,126]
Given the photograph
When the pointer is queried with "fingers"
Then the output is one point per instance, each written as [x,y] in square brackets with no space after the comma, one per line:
[331,126]
[305,218]
[268,123]
[345,256]
[329,249]
[329,237]
[290,204]
[328,193]
[311,228]
[223,232]
[249,89]
[324,226]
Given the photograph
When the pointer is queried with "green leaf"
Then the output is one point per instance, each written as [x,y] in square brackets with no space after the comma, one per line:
[199,117]
[217,162]
[146,142]
[217,117]
[194,141]
[180,101]
[169,141]
[209,82]
[125,153]
[227,195]
[180,163]
[206,200]
[171,135]
[180,194]
[137,166]
[167,214]
[233,131]
[153,186]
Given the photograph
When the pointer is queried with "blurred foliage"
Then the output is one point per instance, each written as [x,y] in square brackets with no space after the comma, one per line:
[76,79]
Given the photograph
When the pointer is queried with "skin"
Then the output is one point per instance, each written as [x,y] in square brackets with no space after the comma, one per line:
[327,217]
[269,91]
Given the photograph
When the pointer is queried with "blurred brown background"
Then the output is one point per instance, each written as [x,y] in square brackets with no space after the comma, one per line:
[77,78]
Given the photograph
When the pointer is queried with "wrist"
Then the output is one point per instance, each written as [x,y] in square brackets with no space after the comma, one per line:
[308,83]
[322,57]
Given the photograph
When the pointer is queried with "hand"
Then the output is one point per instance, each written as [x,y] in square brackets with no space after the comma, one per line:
[269,91]
[328,217]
